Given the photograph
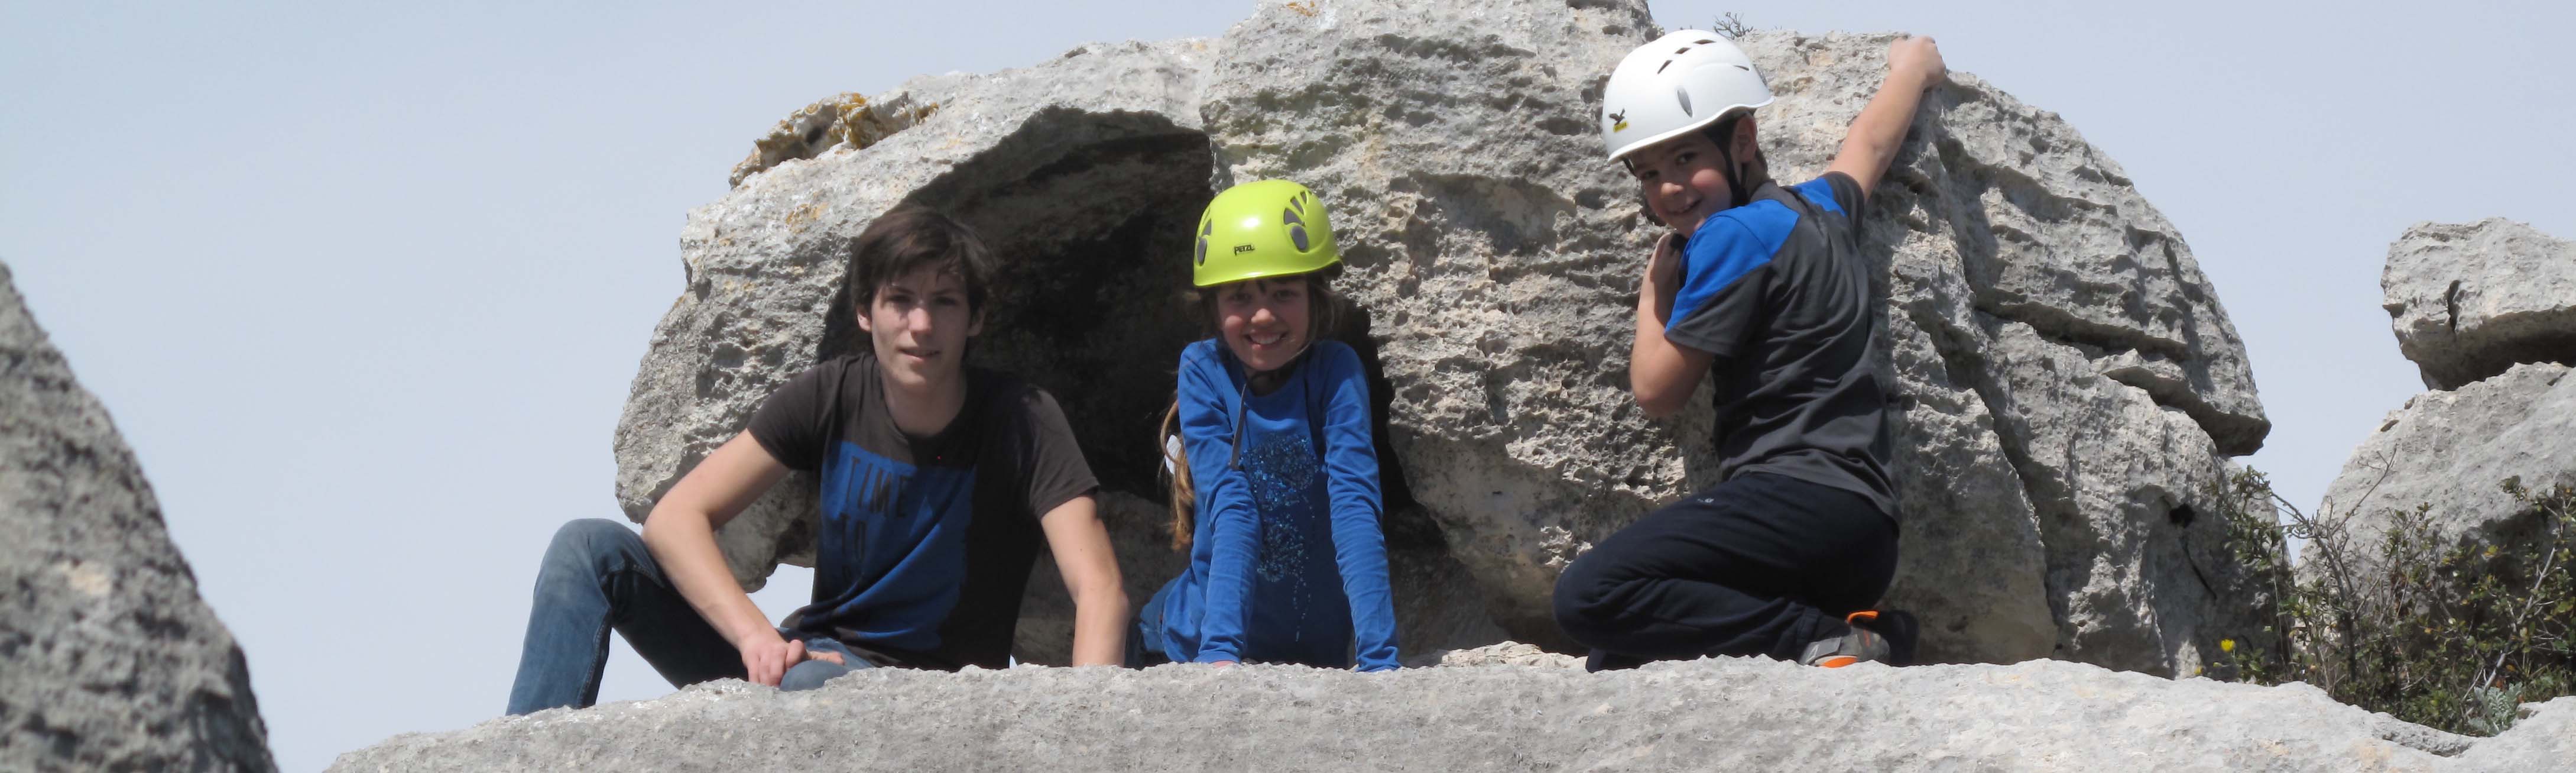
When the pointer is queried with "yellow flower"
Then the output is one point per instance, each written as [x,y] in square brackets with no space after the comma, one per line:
[2227,645]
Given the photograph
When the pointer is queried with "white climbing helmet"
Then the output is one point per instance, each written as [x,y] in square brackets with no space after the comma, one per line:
[1679,83]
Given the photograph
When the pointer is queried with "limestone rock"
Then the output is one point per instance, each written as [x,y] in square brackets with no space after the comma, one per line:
[1718,714]
[2065,385]
[108,658]
[2451,449]
[2543,732]
[1510,653]
[2468,301]
[841,121]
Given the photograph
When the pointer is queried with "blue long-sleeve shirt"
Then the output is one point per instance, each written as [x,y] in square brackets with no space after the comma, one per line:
[1287,561]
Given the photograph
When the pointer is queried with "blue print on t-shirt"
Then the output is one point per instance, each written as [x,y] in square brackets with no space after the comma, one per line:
[892,554]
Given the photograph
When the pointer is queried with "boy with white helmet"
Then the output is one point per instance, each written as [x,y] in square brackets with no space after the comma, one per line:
[1764,290]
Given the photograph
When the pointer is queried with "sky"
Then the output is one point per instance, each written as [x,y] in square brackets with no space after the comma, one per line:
[364,286]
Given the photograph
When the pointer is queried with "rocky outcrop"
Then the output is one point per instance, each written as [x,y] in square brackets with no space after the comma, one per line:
[2468,301]
[2453,449]
[1720,714]
[108,658]
[2488,312]
[2065,384]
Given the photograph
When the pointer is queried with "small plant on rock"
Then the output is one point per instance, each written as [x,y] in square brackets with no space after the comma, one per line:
[2450,634]
[1730,25]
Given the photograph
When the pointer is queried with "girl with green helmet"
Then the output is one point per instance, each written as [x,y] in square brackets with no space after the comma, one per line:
[1274,473]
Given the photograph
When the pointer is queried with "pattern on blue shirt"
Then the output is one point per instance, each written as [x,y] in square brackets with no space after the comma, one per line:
[878,512]
[1284,476]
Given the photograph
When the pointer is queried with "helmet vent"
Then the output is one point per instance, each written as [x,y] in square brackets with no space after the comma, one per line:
[1296,227]
[1702,42]
[1684,96]
[1659,69]
[1205,229]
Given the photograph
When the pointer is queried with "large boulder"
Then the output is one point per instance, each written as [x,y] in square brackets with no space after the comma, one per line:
[108,658]
[2065,385]
[2487,311]
[2453,450]
[2469,300]
[1717,714]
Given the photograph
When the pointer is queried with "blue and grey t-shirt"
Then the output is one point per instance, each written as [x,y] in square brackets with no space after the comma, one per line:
[1778,291]
[926,543]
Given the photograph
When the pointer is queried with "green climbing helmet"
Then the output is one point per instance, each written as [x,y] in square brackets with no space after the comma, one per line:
[1262,229]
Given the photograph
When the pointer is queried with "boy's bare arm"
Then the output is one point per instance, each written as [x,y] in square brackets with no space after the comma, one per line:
[681,535]
[1090,568]
[1913,65]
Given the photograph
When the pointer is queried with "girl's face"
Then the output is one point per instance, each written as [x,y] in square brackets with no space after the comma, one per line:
[1264,321]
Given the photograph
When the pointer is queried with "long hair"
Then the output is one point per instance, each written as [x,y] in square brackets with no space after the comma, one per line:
[1323,320]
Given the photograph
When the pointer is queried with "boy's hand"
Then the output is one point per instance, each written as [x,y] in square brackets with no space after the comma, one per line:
[1664,270]
[765,661]
[1917,57]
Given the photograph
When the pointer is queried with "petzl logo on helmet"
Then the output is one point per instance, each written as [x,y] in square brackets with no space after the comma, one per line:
[1242,248]
[1619,121]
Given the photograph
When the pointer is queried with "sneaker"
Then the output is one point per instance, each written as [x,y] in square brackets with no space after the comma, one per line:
[1883,636]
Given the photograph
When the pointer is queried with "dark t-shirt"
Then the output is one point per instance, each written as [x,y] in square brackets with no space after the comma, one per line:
[1778,291]
[926,543]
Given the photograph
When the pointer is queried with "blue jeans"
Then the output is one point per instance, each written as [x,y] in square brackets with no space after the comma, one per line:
[597,576]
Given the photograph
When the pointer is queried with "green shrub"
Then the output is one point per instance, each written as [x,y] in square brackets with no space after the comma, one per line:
[2451,635]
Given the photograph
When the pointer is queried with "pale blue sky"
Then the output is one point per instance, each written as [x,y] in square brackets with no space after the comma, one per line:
[365,287]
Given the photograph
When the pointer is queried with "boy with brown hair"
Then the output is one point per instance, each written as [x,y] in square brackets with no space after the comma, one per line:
[938,481]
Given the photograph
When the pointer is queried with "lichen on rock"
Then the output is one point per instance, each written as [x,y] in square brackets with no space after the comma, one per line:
[840,121]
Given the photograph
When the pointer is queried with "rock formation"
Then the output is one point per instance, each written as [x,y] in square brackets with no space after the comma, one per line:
[1717,714]
[2488,312]
[108,658]
[2470,300]
[2065,384]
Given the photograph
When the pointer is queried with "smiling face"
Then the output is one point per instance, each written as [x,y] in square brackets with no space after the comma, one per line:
[1683,180]
[919,323]
[1265,322]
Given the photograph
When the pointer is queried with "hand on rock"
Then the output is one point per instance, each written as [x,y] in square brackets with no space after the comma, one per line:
[1917,56]
[765,662]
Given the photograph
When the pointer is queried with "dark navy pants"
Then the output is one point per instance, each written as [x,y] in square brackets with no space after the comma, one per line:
[1761,564]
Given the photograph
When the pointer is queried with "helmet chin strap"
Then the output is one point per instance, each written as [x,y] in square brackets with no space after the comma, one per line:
[1735,194]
